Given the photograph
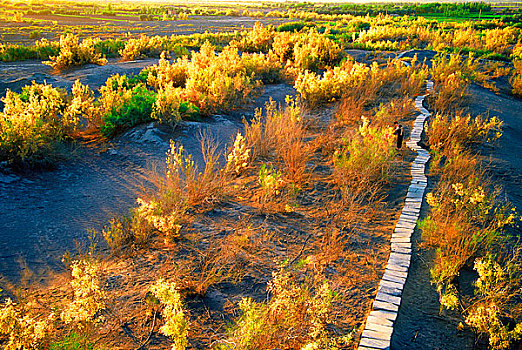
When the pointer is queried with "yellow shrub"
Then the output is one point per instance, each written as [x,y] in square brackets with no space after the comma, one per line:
[313,51]
[497,285]
[74,53]
[114,93]
[164,73]
[144,46]
[167,105]
[366,158]
[332,84]
[88,295]
[296,315]
[218,82]
[516,79]
[446,131]
[238,157]
[22,331]
[499,39]
[258,39]
[33,122]
[81,107]
[176,325]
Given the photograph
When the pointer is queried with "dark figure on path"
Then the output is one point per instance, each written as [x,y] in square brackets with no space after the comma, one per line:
[398,132]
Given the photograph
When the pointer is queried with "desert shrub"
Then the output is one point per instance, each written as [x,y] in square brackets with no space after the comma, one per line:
[366,157]
[259,39]
[296,315]
[451,93]
[499,39]
[315,88]
[42,49]
[171,106]
[135,108]
[109,47]
[452,77]
[305,50]
[166,73]
[218,82]
[128,231]
[287,129]
[176,325]
[357,81]
[291,27]
[498,289]
[313,51]
[74,53]
[45,48]
[351,108]
[516,79]
[280,134]
[238,157]
[264,67]
[184,185]
[35,34]
[465,220]
[283,46]
[165,213]
[396,109]
[271,182]
[33,124]
[386,37]
[212,82]
[21,330]
[144,46]
[88,296]
[182,172]
[73,341]
[81,106]
[446,131]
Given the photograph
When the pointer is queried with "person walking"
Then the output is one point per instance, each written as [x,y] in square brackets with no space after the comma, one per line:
[399,133]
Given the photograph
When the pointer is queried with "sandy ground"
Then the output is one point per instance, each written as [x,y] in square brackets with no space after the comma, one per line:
[420,325]
[43,214]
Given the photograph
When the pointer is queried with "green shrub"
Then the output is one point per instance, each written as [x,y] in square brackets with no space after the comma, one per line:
[135,109]
[109,47]
[292,27]
[35,34]
[10,52]
[73,341]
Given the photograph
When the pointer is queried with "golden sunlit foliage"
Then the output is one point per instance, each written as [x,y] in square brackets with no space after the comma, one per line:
[76,53]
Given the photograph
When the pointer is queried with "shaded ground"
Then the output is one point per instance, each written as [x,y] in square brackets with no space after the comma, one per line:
[419,325]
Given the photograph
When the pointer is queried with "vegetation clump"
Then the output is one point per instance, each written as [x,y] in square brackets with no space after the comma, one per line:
[34,123]
[76,53]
